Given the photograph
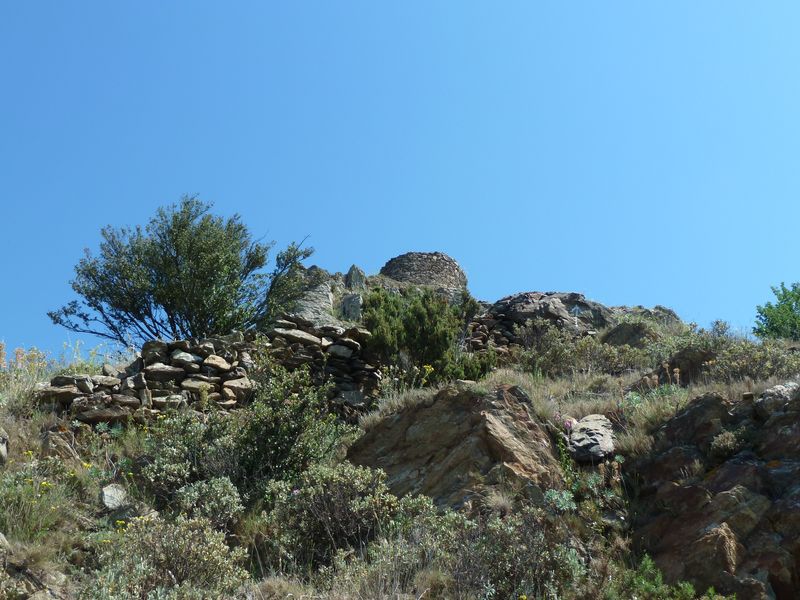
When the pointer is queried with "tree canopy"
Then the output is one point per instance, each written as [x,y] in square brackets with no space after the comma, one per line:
[186,274]
[781,319]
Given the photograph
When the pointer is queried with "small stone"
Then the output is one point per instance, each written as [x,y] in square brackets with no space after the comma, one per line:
[340,351]
[126,401]
[296,336]
[162,373]
[154,351]
[179,358]
[103,414]
[114,497]
[3,446]
[241,388]
[169,402]
[62,380]
[217,362]
[106,381]
[196,386]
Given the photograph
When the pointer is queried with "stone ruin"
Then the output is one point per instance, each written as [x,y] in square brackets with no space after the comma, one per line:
[323,334]
[432,269]
[179,374]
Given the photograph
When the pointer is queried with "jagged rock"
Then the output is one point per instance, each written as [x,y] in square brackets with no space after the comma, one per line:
[351,307]
[159,372]
[56,443]
[84,384]
[217,362]
[449,445]
[728,522]
[112,371]
[570,310]
[316,305]
[775,399]
[355,279]
[246,361]
[114,497]
[591,440]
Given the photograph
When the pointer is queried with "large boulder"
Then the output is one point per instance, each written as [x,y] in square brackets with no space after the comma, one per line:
[571,310]
[591,440]
[451,444]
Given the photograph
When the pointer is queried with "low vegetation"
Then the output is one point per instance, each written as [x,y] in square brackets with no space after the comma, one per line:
[260,502]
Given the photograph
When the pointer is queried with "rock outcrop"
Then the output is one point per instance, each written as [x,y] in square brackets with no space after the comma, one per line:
[450,445]
[719,500]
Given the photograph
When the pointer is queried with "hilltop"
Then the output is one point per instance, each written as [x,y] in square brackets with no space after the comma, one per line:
[392,437]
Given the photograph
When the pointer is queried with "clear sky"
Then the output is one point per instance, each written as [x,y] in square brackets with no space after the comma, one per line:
[638,152]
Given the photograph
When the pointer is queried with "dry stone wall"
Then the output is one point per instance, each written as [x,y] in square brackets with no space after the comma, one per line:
[179,374]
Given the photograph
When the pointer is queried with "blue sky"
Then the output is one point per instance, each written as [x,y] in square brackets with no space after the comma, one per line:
[640,153]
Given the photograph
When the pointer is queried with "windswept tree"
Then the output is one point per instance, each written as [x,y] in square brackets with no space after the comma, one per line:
[187,273]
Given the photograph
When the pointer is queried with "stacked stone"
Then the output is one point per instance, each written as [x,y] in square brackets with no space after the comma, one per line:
[165,376]
[332,354]
[432,269]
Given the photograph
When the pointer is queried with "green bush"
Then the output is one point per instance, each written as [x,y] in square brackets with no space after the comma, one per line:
[153,558]
[781,319]
[553,351]
[282,432]
[419,328]
[216,500]
[326,510]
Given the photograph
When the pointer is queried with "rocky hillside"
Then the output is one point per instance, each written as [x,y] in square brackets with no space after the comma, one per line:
[604,452]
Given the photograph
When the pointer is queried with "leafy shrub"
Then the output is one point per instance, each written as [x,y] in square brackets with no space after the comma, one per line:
[328,509]
[216,500]
[740,358]
[727,443]
[284,430]
[553,351]
[421,328]
[153,558]
[781,319]
[524,554]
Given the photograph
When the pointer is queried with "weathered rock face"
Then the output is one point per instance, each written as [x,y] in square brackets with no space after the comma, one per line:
[452,444]
[433,269]
[726,515]
[633,334]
